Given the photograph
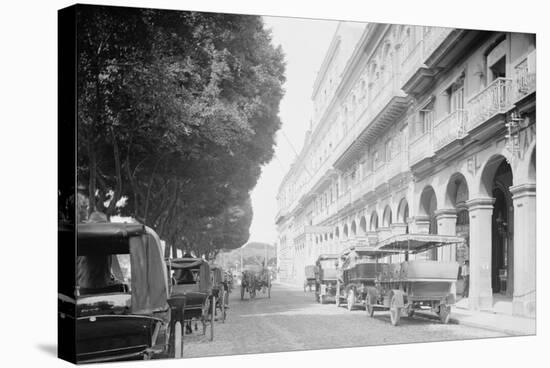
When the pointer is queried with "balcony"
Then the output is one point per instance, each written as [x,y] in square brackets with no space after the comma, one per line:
[420,148]
[416,76]
[344,201]
[493,100]
[386,105]
[361,188]
[379,176]
[397,165]
[448,129]
[525,81]
[412,61]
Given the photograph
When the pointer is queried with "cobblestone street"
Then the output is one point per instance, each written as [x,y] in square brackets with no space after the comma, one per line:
[291,320]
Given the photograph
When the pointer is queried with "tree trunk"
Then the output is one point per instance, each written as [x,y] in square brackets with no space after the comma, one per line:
[92,177]
[118,190]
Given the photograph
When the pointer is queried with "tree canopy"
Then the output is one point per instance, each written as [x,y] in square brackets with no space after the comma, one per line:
[177,112]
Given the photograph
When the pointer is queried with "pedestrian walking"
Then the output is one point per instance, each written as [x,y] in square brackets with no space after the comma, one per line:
[466,277]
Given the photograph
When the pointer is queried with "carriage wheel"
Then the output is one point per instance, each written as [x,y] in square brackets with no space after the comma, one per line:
[205,312]
[224,295]
[370,306]
[351,299]
[395,311]
[178,341]
[444,313]
[213,311]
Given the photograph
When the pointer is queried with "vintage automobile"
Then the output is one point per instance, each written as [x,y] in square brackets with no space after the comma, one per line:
[418,284]
[358,270]
[191,279]
[255,278]
[120,298]
[219,291]
[325,277]
[309,281]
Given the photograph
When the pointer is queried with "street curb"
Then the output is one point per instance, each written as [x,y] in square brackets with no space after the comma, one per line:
[491,328]
[458,321]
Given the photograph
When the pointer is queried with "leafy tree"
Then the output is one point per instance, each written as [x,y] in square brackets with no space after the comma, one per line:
[177,111]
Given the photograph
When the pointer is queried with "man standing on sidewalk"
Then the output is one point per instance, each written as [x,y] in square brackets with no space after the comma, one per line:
[466,277]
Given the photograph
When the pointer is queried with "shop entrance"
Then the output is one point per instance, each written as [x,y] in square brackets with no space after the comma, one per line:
[502,237]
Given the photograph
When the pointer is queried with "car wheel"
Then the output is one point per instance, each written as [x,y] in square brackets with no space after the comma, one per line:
[369,306]
[395,311]
[351,299]
[444,313]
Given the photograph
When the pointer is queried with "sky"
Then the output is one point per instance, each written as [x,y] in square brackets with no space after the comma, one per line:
[304,42]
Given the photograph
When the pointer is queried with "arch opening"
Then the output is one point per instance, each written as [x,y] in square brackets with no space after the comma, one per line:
[428,206]
[387,217]
[373,221]
[363,226]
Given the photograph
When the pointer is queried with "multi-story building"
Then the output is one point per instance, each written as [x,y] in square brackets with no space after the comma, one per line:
[421,130]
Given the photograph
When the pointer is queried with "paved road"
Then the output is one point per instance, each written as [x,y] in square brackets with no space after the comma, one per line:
[291,320]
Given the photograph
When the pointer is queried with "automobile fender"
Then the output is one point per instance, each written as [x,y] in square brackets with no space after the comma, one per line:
[399,299]
[449,299]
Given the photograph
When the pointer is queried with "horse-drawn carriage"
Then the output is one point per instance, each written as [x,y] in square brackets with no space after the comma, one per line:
[358,270]
[416,284]
[192,281]
[309,281]
[254,279]
[120,299]
[325,277]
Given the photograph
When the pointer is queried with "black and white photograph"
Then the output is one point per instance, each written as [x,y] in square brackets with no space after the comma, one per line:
[376,183]
[266,187]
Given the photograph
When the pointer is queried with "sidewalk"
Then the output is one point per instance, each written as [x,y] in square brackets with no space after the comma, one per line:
[500,319]
[512,325]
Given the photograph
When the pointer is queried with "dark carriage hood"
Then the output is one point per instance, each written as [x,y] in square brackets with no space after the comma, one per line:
[113,337]
[194,299]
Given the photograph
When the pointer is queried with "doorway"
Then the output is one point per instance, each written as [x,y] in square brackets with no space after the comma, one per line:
[502,237]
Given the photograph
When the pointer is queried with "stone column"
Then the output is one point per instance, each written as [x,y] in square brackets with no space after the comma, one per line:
[446,225]
[420,225]
[481,292]
[525,248]
[398,228]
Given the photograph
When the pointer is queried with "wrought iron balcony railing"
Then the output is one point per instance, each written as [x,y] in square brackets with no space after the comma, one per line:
[420,148]
[525,81]
[450,128]
[494,99]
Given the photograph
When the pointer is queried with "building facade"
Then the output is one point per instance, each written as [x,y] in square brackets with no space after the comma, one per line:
[421,130]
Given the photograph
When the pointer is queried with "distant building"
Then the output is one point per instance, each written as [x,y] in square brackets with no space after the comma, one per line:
[421,130]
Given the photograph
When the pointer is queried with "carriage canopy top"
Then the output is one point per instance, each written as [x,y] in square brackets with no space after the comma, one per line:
[416,243]
[99,243]
[182,265]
